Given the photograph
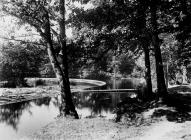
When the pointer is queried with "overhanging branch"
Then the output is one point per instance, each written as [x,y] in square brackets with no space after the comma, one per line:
[20,40]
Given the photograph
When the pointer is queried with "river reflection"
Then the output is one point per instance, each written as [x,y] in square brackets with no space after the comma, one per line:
[21,119]
[11,113]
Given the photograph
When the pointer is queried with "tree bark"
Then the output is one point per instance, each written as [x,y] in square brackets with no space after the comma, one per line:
[65,86]
[145,43]
[145,46]
[148,71]
[61,71]
[162,90]
[42,25]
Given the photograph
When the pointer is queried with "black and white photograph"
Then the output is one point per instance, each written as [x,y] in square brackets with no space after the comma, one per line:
[95,69]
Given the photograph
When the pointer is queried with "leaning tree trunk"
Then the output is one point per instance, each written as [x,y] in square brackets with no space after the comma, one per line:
[162,90]
[61,71]
[67,106]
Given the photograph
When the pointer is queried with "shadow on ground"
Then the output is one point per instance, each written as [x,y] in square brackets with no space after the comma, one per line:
[178,102]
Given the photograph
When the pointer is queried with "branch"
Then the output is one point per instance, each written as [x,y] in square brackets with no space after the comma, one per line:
[27,21]
[19,40]
[28,35]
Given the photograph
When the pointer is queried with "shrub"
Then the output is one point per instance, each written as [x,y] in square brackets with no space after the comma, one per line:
[39,82]
[95,75]
[126,65]
[20,61]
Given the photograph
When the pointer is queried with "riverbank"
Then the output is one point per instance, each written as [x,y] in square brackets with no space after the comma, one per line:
[102,129]
[89,129]
[12,95]
[159,123]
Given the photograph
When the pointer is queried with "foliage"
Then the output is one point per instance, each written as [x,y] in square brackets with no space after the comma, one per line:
[103,32]
[75,59]
[170,54]
[98,75]
[183,31]
[48,18]
[126,64]
[189,73]
[19,61]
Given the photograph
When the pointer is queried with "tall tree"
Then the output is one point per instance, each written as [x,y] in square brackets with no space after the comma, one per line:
[156,42]
[142,33]
[64,80]
[40,15]
[125,22]
[183,32]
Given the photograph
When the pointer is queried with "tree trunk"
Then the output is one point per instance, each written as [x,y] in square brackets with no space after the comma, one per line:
[61,71]
[148,72]
[67,106]
[145,45]
[162,90]
[65,88]
[144,39]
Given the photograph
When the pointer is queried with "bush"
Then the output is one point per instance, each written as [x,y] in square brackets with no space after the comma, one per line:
[20,61]
[95,75]
[7,84]
[126,65]
[39,82]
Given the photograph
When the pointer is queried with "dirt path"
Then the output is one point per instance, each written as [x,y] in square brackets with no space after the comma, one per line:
[159,131]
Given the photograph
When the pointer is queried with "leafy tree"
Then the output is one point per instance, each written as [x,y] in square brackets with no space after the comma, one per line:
[42,15]
[156,44]
[182,30]
[174,17]
[170,54]
[75,59]
[124,22]
[20,61]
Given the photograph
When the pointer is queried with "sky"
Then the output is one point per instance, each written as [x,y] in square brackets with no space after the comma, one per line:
[9,28]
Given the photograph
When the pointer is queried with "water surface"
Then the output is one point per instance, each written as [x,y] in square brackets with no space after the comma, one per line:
[21,119]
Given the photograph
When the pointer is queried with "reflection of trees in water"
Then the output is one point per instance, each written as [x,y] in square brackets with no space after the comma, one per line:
[55,101]
[11,113]
[98,102]
[43,101]
[125,84]
[122,84]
